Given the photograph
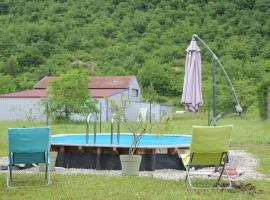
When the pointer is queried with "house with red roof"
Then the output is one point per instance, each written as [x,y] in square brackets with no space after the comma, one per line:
[26,105]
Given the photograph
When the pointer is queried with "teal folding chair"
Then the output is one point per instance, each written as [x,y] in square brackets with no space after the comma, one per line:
[27,146]
[209,148]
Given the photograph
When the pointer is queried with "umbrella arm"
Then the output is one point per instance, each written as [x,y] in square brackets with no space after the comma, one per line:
[237,107]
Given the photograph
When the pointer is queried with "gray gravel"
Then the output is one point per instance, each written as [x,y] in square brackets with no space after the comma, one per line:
[244,162]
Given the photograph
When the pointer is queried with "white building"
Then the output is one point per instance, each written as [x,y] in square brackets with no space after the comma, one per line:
[26,105]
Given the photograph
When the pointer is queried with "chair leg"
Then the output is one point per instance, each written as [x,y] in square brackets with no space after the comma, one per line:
[49,174]
[227,176]
[187,171]
[10,172]
[46,171]
[221,173]
[219,178]
[190,181]
[9,176]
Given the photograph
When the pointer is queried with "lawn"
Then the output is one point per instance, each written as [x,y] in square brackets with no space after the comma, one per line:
[248,129]
[68,187]
[250,133]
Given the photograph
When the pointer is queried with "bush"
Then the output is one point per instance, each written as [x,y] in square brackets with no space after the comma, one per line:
[69,94]
[262,97]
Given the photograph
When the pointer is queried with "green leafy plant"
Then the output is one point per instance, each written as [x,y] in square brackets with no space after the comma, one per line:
[6,84]
[162,125]
[263,91]
[137,128]
[69,94]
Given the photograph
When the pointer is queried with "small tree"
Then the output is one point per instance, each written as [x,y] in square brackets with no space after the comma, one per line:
[7,84]
[11,66]
[137,129]
[69,94]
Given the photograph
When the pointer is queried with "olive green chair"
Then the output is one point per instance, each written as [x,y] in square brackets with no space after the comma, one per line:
[27,146]
[209,148]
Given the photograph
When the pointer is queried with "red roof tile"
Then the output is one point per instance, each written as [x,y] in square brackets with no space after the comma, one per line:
[36,93]
[97,82]
[43,83]
[117,82]
[40,93]
[101,93]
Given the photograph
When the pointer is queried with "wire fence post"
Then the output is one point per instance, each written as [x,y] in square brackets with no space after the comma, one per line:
[214,91]
[100,117]
[150,117]
[47,114]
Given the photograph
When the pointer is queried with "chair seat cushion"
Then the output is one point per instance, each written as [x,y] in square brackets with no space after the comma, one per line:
[203,159]
[28,158]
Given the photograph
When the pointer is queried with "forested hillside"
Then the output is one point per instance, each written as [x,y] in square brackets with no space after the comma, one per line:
[144,38]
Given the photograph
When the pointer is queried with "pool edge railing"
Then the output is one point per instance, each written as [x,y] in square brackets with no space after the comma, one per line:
[93,116]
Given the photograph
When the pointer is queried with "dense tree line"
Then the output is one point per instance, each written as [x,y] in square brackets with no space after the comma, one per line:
[144,38]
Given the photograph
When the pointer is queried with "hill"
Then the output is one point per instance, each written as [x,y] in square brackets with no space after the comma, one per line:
[144,38]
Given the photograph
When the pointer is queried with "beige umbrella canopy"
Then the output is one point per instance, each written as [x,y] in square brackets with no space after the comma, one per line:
[192,87]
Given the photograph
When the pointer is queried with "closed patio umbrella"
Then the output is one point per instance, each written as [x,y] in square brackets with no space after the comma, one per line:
[192,87]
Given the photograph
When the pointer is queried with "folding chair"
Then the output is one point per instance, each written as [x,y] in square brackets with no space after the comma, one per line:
[209,148]
[27,146]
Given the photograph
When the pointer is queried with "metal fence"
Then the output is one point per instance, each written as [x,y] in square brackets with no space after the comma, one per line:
[154,111]
[32,109]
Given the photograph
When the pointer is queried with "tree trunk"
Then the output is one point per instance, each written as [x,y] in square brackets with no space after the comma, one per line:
[67,113]
[268,103]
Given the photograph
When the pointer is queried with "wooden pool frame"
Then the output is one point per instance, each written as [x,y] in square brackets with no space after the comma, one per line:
[152,155]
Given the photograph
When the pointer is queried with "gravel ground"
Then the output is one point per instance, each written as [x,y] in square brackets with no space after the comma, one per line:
[244,162]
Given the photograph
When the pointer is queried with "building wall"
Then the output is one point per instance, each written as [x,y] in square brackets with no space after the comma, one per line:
[12,109]
[21,109]
[31,109]
[117,99]
[134,85]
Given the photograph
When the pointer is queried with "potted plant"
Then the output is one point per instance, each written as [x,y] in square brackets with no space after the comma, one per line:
[130,163]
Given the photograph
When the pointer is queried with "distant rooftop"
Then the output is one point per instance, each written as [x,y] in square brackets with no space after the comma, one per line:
[41,93]
[96,82]
[99,87]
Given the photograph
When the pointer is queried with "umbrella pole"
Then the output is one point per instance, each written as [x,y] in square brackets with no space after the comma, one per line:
[214,91]
[214,84]
[237,106]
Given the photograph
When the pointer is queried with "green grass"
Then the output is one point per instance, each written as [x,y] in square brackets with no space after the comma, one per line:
[250,133]
[105,187]
[262,153]
[248,129]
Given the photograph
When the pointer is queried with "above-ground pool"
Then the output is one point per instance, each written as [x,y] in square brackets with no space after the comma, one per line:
[104,140]
[158,151]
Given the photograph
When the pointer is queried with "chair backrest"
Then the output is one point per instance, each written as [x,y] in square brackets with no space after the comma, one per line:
[29,145]
[209,143]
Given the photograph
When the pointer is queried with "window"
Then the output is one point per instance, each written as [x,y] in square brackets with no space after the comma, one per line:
[135,92]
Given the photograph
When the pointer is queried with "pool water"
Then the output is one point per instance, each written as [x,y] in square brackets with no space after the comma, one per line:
[147,140]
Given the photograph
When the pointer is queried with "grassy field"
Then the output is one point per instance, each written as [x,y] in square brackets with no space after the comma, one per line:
[250,133]
[248,129]
[67,187]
